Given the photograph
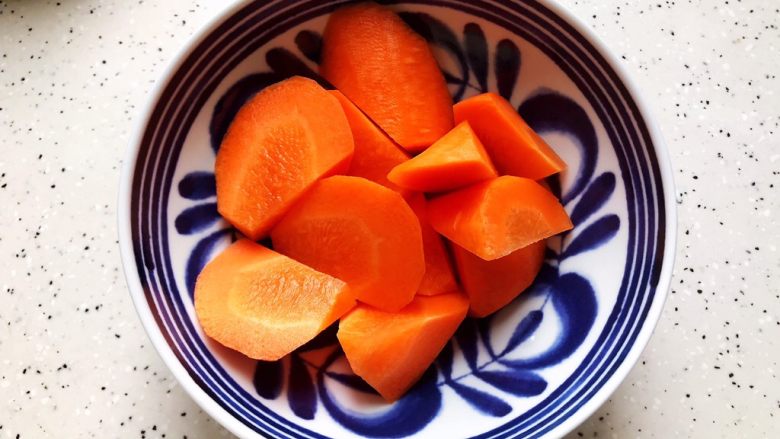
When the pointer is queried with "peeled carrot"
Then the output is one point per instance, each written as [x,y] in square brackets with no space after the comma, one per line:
[456,160]
[375,154]
[391,351]
[389,72]
[491,285]
[266,305]
[360,232]
[280,142]
[494,218]
[514,147]
[438,276]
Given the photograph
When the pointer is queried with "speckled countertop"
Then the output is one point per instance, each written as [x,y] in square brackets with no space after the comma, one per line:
[74,359]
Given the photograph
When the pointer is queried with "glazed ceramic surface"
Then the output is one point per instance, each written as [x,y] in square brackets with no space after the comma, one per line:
[536,368]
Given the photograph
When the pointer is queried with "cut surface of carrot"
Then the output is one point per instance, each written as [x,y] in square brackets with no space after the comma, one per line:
[438,277]
[491,285]
[389,72]
[391,351]
[280,142]
[494,218]
[360,232]
[458,159]
[263,304]
[375,154]
[512,145]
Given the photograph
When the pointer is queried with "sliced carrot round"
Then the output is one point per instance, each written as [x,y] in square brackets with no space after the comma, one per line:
[439,277]
[491,285]
[389,72]
[375,153]
[360,232]
[512,145]
[458,159]
[263,304]
[494,218]
[391,351]
[280,142]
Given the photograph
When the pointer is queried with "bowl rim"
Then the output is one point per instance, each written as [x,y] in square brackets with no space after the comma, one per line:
[235,426]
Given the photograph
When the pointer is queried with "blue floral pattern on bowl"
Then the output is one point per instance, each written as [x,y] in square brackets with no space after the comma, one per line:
[519,372]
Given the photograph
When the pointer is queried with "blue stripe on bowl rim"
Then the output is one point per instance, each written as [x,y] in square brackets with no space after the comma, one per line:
[255,24]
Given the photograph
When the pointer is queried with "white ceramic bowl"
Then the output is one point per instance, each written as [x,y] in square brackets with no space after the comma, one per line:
[537,368]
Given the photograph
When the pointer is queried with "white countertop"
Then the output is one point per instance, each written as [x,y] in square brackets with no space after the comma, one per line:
[75,361]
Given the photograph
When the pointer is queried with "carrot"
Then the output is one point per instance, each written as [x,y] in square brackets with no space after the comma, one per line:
[514,147]
[494,218]
[456,160]
[438,276]
[280,142]
[263,304]
[389,72]
[375,154]
[491,285]
[360,232]
[391,351]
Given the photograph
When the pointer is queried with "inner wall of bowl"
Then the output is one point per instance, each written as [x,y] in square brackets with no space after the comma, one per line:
[595,262]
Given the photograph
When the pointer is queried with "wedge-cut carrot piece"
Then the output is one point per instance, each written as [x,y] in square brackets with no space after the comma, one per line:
[389,72]
[491,285]
[391,351]
[360,232]
[375,154]
[438,276]
[458,159]
[494,218]
[514,147]
[280,142]
[263,304]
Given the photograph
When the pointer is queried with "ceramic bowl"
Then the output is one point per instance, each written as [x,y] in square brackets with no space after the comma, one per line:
[535,369]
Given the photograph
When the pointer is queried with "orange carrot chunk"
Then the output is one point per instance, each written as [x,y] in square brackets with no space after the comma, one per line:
[389,72]
[438,276]
[494,218]
[280,142]
[491,285]
[360,232]
[458,159]
[391,351]
[375,154]
[263,304]
[514,147]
